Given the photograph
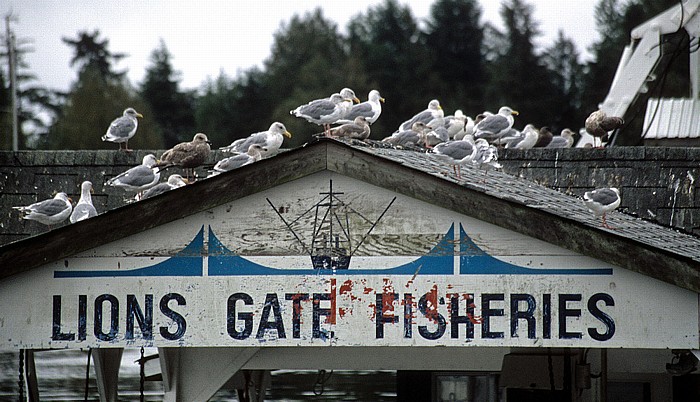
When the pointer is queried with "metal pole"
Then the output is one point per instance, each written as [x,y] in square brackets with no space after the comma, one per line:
[13,80]
[603,375]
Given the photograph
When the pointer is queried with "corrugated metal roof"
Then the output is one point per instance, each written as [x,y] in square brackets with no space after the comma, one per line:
[669,118]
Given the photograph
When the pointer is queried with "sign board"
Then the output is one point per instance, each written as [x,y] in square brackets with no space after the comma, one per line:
[328,260]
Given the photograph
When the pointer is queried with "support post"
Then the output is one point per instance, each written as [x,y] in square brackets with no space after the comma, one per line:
[30,376]
[196,374]
[107,362]
[603,375]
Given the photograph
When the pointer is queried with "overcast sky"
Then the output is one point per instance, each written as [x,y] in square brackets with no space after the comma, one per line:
[205,37]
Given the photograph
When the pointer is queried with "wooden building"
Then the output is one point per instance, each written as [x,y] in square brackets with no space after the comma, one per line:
[347,257]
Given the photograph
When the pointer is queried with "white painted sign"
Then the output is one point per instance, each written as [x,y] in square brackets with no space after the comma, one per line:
[328,260]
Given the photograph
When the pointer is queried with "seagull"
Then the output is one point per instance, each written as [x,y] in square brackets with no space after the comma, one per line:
[456,153]
[84,208]
[565,140]
[358,129]
[174,181]
[187,155]
[494,126]
[486,157]
[253,154]
[270,141]
[432,116]
[323,112]
[602,201]
[544,137]
[49,212]
[468,128]
[123,128]
[598,124]
[347,94]
[455,125]
[370,109]
[414,136]
[138,178]
[526,139]
[436,136]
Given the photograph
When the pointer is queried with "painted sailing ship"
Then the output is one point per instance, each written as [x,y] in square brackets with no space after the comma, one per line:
[332,236]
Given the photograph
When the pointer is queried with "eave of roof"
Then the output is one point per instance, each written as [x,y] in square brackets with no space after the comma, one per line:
[503,200]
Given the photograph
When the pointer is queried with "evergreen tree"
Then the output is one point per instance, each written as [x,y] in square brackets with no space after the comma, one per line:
[396,62]
[91,53]
[33,101]
[90,107]
[307,62]
[454,35]
[566,71]
[519,77]
[229,109]
[172,109]
[99,96]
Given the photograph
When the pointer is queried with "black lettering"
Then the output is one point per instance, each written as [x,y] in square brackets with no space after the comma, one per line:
[467,319]
[114,317]
[56,334]
[231,316]
[178,319]
[546,316]
[565,312]
[318,312]
[384,302]
[145,320]
[487,312]
[82,317]
[271,303]
[432,314]
[527,315]
[296,299]
[601,316]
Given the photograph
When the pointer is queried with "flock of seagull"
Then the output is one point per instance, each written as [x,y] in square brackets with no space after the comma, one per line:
[457,139]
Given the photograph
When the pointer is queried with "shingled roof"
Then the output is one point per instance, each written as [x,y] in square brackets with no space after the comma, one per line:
[504,200]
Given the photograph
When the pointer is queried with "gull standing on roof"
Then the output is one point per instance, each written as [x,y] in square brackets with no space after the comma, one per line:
[270,141]
[598,124]
[84,208]
[49,212]
[433,116]
[565,140]
[544,138]
[455,124]
[347,93]
[436,136]
[526,140]
[414,136]
[138,178]
[370,109]
[174,181]
[457,153]
[123,128]
[468,128]
[253,154]
[494,126]
[187,155]
[601,201]
[486,156]
[358,129]
[323,112]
